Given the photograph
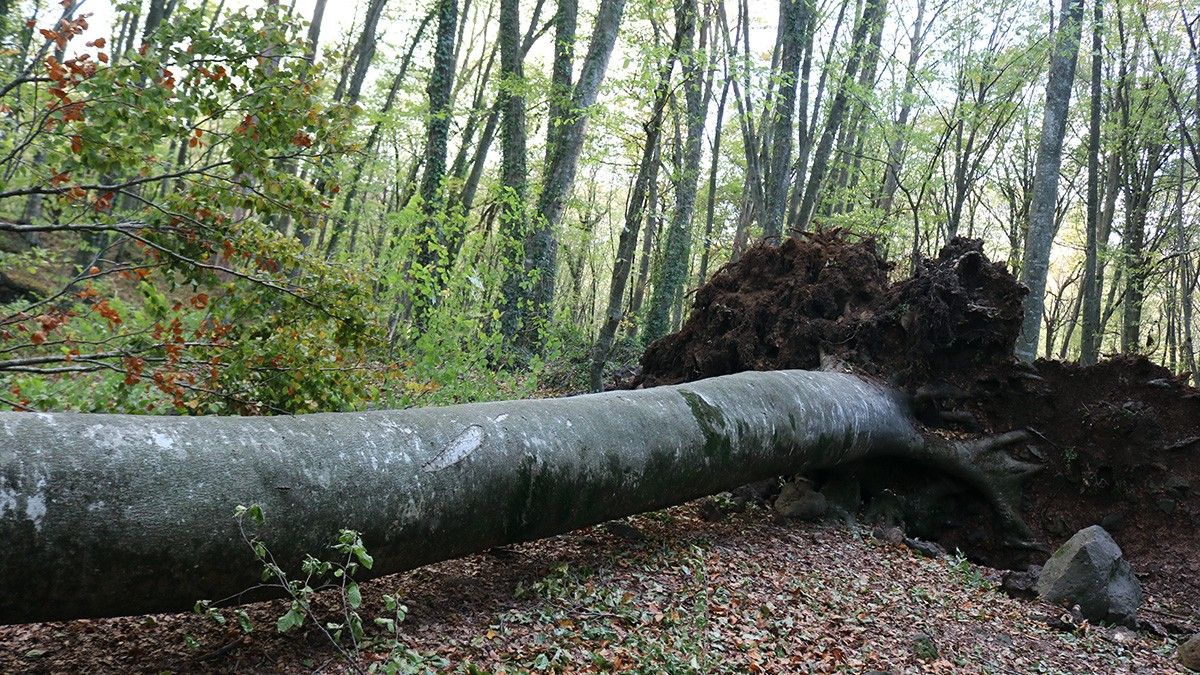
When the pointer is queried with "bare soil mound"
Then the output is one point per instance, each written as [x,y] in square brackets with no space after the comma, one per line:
[1120,441]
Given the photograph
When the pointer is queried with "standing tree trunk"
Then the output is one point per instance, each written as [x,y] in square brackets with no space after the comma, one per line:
[562,71]
[441,80]
[314,30]
[793,19]
[710,208]
[1187,283]
[120,514]
[1089,338]
[627,244]
[873,12]
[669,286]
[1036,261]
[365,51]
[541,245]
[513,172]
[895,156]
[653,225]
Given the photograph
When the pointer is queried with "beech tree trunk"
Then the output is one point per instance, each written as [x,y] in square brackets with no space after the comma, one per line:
[1089,343]
[541,242]
[634,214]
[105,515]
[1038,242]
[668,285]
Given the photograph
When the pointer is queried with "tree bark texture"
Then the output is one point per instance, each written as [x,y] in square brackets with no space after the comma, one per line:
[105,515]
[1036,264]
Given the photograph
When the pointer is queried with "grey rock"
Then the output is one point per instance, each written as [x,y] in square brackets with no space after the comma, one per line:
[1113,521]
[1189,653]
[798,500]
[760,492]
[928,549]
[886,508]
[1057,525]
[623,530]
[710,511]
[892,535]
[1021,583]
[1166,505]
[1090,571]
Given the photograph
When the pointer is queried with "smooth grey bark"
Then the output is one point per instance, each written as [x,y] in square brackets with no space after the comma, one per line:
[711,206]
[373,137]
[1089,342]
[105,515]
[653,225]
[364,51]
[895,155]
[1036,263]
[314,30]
[541,245]
[1187,282]
[753,198]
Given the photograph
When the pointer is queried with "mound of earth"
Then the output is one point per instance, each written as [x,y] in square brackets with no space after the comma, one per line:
[1120,441]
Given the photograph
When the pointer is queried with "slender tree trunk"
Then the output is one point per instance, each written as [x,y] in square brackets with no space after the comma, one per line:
[1036,261]
[653,225]
[541,245]
[441,80]
[895,155]
[154,17]
[873,11]
[562,72]
[314,30]
[627,243]
[1089,343]
[376,131]
[1187,284]
[365,51]
[677,254]
[793,20]
[513,171]
[710,208]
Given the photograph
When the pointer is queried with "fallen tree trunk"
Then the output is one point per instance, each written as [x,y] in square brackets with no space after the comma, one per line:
[104,515]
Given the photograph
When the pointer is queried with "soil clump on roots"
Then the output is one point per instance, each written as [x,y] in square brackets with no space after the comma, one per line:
[1119,442]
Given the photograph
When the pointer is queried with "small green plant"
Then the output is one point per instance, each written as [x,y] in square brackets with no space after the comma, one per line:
[968,573]
[318,575]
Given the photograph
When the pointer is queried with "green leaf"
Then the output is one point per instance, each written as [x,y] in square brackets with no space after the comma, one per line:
[364,558]
[244,621]
[293,619]
[353,595]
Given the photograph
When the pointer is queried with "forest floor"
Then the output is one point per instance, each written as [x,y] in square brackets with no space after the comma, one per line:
[673,593]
